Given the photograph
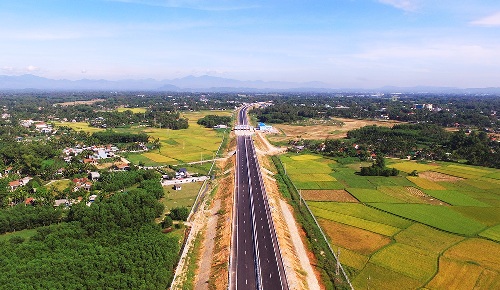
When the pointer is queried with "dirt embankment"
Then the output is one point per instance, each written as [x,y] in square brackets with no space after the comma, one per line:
[223,199]
[300,273]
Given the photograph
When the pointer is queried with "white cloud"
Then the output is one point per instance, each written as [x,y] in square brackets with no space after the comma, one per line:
[406,5]
[32,68]
[488,21]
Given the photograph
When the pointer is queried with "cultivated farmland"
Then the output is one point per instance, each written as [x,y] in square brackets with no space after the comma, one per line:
[434,231]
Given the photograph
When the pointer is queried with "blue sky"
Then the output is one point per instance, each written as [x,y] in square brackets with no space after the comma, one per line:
[345,43]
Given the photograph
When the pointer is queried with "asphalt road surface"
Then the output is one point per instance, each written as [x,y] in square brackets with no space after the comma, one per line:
[256,260]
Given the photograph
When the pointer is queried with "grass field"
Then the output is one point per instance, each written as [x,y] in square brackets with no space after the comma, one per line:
[435,216]
[26,234]
[60,185]
[426,238]
[134,110]
[158,158]
[410,261]
[178,198]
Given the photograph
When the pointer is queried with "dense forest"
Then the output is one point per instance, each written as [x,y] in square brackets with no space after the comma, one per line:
[210,121]
[112,244]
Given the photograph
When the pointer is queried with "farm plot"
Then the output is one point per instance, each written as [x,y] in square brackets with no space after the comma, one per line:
[426,238]
[409,166]
[488,216]
[348,178]
[410,261]
[134,110]
[492,233]
[457,172]
[436,176]
[375,227]
[79,126]
[454,197]
[372,195]
[454,274]
[401,193]
[483,183]
[158,158]
[355,239]
[363,212]
[478,250]
[351,258]
[377,277]
[425,183]
[328,195]
[179,198]
[310,172]
[435,216]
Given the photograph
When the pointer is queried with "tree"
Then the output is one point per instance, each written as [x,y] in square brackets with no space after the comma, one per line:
[179,213]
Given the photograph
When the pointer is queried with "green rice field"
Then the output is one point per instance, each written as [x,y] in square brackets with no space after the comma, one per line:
[410,232]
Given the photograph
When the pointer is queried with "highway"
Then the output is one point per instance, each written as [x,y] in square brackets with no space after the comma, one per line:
[255,255]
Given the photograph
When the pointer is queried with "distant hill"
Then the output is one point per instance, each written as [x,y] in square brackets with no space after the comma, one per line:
[208,84]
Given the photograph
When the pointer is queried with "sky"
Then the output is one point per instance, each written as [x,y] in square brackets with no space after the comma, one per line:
[343,43]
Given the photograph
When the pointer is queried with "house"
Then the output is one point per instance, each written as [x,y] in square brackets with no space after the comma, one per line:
[90,161]
[14,185]
[221,126]
[122,166]
[94,176]
[177,187]
[29,201]
[181,173]
[263,127]
[40,125]
[64,201]
[81,183]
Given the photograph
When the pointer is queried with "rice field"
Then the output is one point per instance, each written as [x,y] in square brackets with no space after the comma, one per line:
[409,166]
[371,226]
[409,232]
[454,197]
[440,217]
[426,238]
[483,252]
[363,212]
[410,261]
[134,110]
[328,195]
[354,239]
[372,195]
[425,183]
[79,126]
[455,274]
[378,277]
[158,158]
[488,216]
[492,233]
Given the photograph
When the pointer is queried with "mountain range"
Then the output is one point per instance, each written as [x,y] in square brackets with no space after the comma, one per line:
[208,84]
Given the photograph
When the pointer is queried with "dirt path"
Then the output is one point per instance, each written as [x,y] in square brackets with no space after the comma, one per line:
[265,147]
[312,281]
[207,248]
